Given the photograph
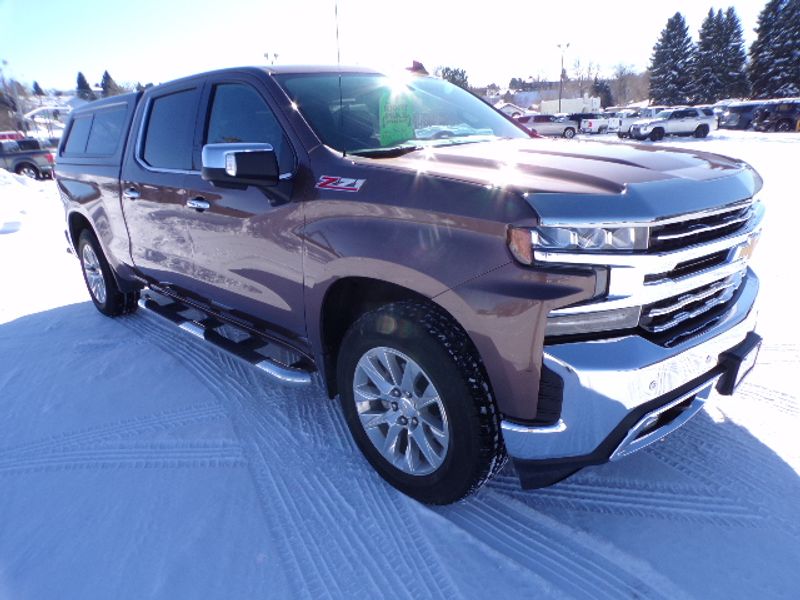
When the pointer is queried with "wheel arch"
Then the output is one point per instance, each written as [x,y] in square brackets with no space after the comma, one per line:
[344,302]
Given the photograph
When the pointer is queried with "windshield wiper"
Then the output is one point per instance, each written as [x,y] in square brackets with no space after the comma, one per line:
[391,152]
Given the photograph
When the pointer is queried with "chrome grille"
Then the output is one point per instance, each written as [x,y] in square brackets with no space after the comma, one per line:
[666,314]
[671,236]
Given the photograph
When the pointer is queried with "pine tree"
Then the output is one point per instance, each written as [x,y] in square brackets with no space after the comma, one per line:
[672,64]
[733,57]
[83,90]
[708,81]
[37,89]
[775,54]
[109,86]
[603,90]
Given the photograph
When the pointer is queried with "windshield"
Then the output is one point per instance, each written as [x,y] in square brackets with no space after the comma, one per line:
[663,114]
[373,114]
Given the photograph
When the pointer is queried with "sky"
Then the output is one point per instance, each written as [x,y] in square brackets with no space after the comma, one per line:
[159,40]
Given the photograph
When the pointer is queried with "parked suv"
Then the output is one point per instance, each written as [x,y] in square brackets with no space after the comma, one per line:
[739,115]
[778,116]
[467,298]
[678,121]
[549,125]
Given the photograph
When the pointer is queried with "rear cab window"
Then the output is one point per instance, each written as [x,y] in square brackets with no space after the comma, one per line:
[168,136]
[96,134]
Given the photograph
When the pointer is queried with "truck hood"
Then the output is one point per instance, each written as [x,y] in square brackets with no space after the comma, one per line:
[649,122]
[568,166]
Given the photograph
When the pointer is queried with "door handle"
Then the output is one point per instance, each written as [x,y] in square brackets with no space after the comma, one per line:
[131,193]
[199,204]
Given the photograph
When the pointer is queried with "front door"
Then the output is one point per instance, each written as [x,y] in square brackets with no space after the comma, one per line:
[246,248]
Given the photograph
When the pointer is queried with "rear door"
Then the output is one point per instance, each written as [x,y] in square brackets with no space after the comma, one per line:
[246,247]
[153,183]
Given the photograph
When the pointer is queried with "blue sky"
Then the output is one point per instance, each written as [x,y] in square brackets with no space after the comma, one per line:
[155,41]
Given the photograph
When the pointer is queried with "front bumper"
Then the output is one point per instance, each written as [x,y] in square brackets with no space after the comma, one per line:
[611,386]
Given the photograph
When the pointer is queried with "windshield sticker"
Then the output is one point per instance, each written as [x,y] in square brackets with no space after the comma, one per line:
[396,119]
[340,184]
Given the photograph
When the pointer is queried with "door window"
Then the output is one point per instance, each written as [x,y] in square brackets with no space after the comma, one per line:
[239,114]
[170,131]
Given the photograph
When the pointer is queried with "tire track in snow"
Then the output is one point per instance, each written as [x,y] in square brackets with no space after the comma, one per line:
[572,561]
[636,498]
[265,418]
[771,398]
[124,429]
[150,456]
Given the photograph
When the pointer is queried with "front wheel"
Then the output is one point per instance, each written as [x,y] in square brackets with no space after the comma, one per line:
[100,282]
[418,404]
[656,135]
[569,133]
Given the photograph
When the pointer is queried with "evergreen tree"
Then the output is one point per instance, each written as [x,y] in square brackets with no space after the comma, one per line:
[603,90]
[37,89]
[84,90]
[109,86]
[672,64]
[455,76]
[708,77]
[775,54]
[733,57]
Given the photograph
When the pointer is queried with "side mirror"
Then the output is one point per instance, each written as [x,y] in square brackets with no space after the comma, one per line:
[240,164]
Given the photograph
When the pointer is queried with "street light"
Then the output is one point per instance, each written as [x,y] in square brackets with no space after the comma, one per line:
[563,48]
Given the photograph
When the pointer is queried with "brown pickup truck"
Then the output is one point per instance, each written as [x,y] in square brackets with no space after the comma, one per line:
[468,292]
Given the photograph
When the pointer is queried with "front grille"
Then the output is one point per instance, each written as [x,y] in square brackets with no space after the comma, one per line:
[669,313]
[690,267]
[699,230]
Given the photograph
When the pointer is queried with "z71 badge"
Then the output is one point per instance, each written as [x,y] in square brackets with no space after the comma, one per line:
[339,184]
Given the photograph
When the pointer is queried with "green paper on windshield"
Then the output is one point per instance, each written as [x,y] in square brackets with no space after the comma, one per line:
[396,120]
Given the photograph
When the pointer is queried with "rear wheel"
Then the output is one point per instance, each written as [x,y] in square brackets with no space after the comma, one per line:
[569,133]
[28,170]
[100,282]
[783,126]
[701,131]
[418,404]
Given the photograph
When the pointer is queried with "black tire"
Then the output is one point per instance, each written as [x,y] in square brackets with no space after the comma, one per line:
[620,135]
[475,451]
[28,170]
[602,130]
[783,126]
[569,133]
[116,302]
[656,135]
[701,131]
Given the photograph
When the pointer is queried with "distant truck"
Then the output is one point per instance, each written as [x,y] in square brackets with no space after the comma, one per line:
[32,161]
[467,298]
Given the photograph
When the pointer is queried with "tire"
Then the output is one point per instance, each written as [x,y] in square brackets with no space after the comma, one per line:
[28,170]
[100,282]
[783,126]
[569,133]
[602,130]
[620,135]
[461,428]
[656,135]
[701,131]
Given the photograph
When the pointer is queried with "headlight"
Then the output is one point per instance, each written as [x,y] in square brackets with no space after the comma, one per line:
[523,241]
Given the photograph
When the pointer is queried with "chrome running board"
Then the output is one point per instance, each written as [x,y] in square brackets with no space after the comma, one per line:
[243,345]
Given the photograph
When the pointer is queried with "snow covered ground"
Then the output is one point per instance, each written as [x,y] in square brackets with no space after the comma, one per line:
[137,463]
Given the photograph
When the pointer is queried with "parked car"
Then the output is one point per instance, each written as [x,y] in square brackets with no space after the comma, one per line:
[739,115]
[549,125]
[622,120]
[778,116]
[465,298]
[679,121]
[590,122]
[35,163]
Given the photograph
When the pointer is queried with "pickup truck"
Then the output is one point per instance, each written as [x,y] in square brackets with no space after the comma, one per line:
[36,164]
[678,121]
[467,298]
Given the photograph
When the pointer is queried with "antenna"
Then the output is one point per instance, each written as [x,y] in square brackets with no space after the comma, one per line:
[336,15]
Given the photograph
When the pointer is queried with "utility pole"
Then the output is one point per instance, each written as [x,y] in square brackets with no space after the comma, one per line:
[563,48]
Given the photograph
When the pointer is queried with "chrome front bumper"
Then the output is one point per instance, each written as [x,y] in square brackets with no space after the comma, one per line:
[607,380]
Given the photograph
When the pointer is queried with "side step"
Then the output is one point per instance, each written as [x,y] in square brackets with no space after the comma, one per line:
[227,337]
